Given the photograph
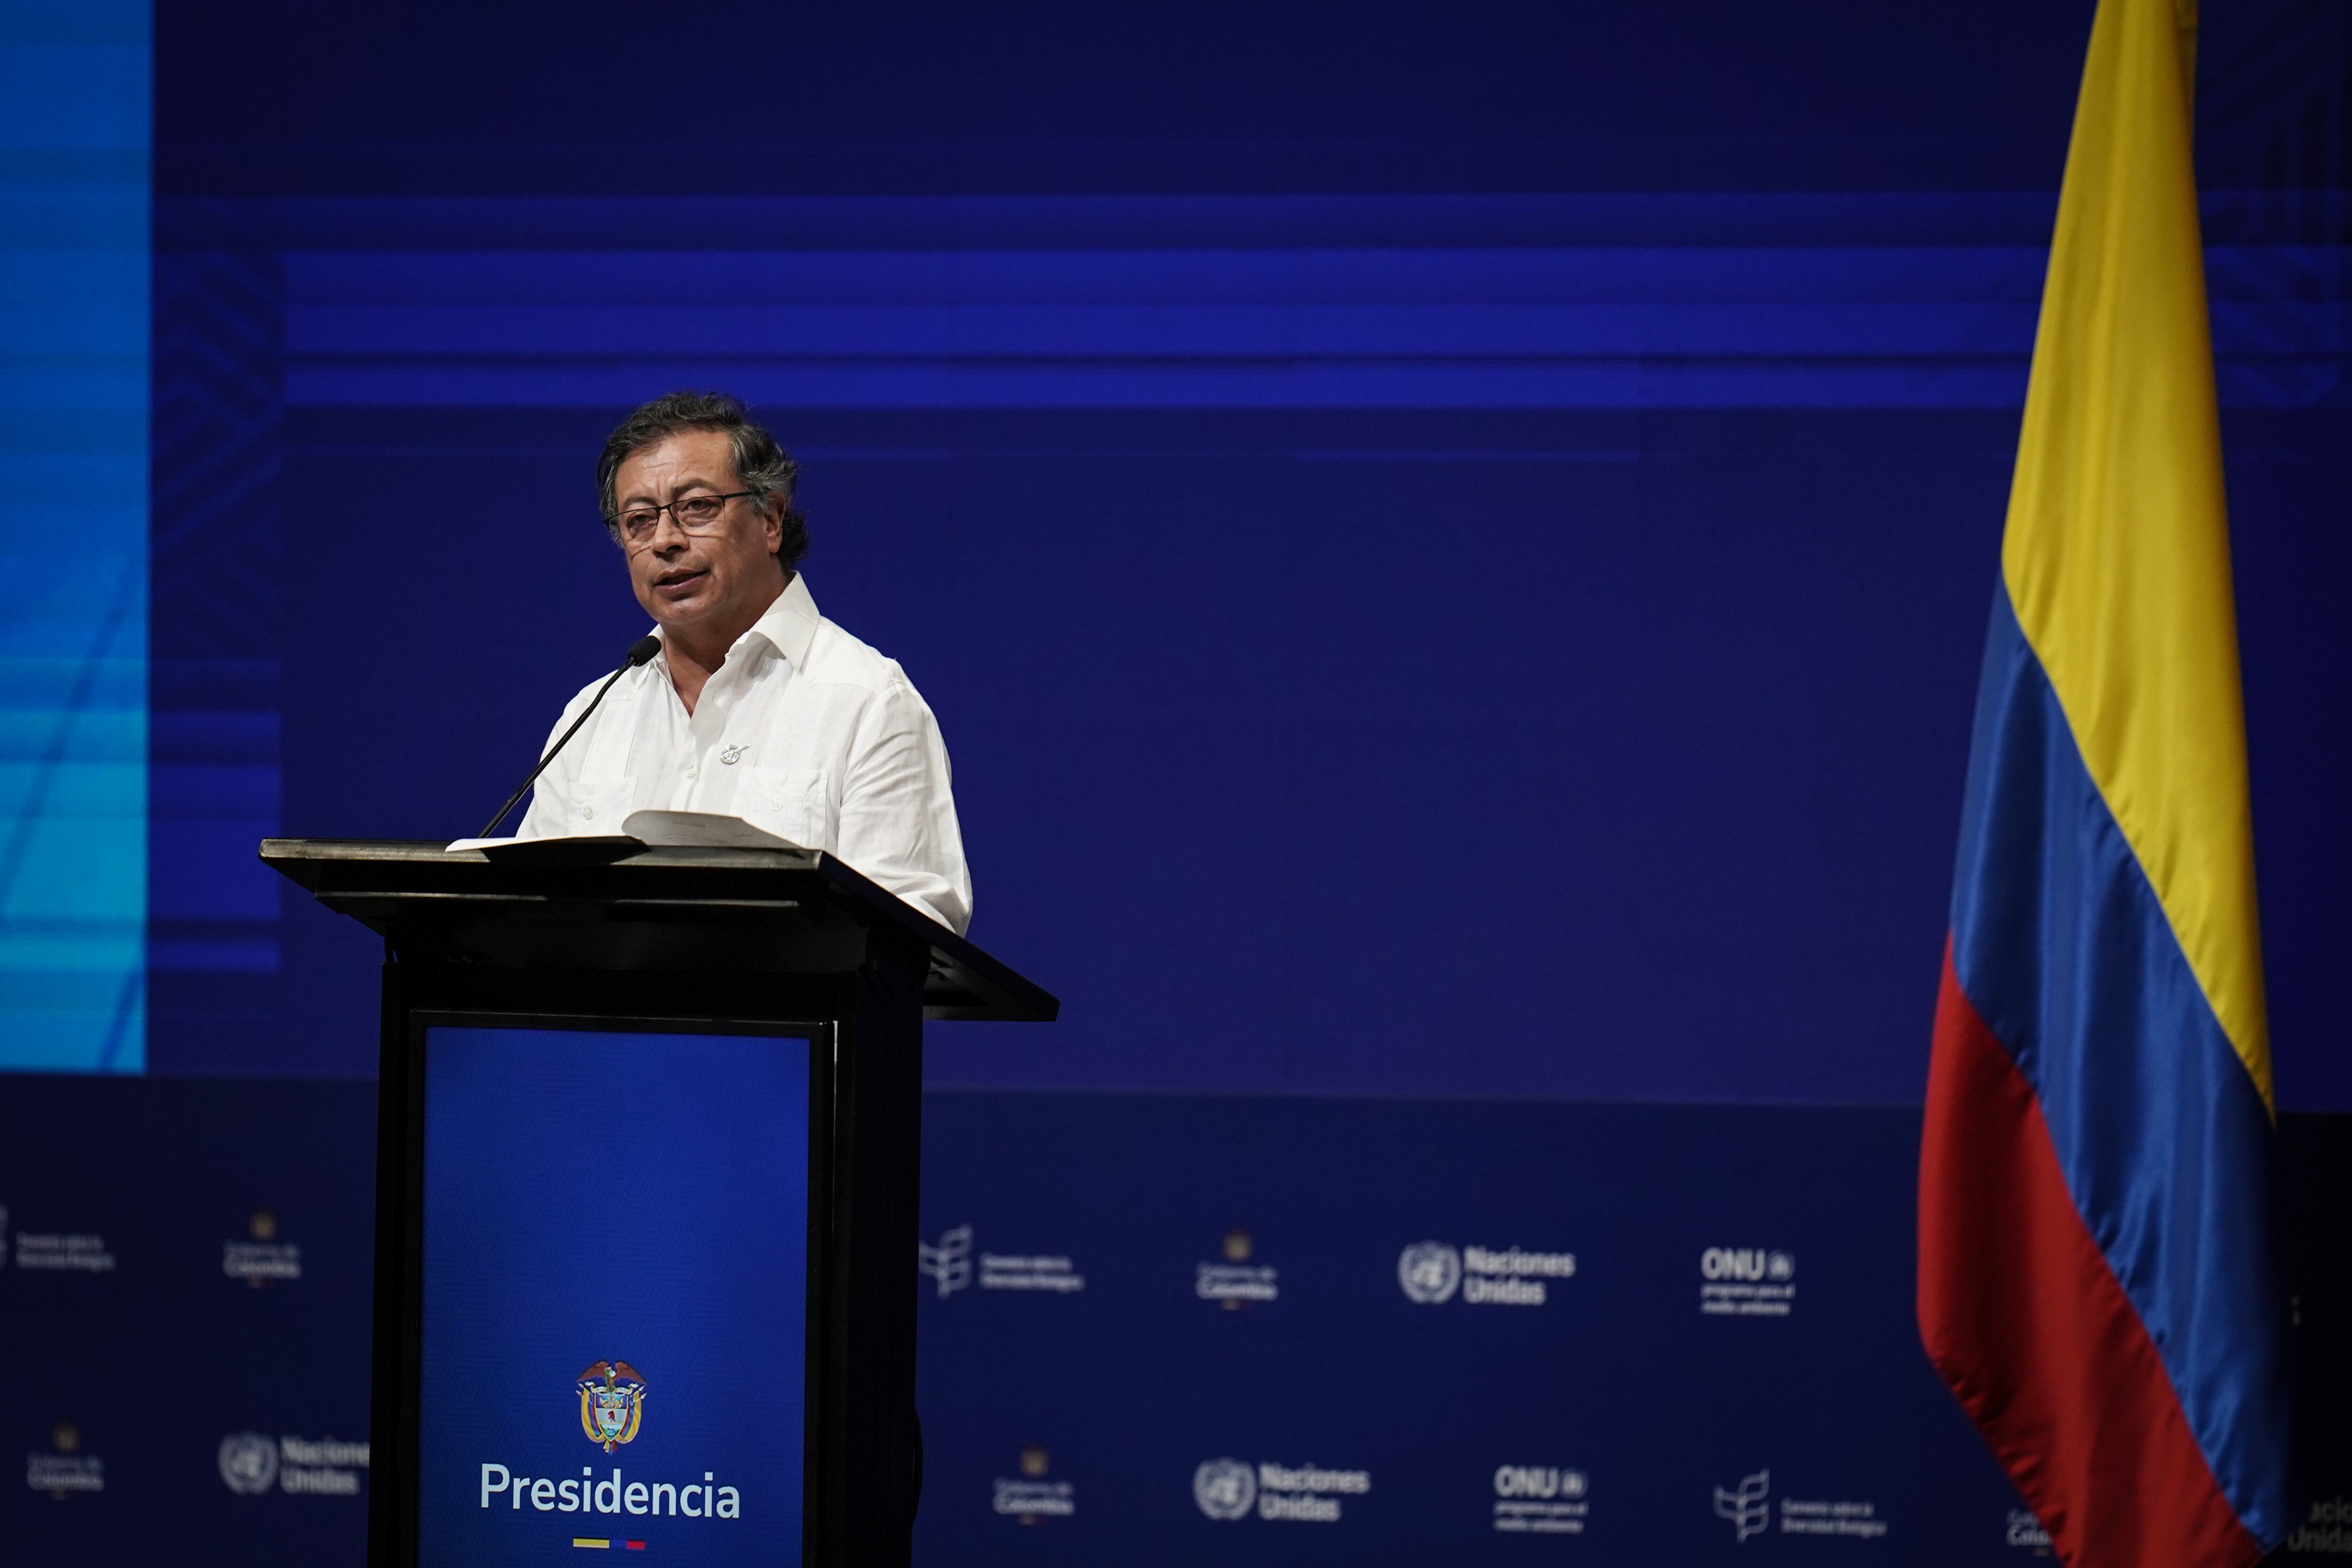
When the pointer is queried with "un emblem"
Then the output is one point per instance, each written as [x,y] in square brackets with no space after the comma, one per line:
[1430,1272]
[612,1402]
[248,1462]
[1224,1488]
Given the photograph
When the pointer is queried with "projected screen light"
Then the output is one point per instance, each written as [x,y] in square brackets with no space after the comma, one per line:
[614,1306]
[74,143]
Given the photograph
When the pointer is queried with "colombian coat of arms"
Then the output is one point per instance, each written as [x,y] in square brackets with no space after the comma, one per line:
[611,1403]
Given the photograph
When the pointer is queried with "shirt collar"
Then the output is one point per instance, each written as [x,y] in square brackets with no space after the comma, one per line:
[789,625]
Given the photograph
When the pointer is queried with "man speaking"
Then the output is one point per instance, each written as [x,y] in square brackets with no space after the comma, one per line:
[756,706]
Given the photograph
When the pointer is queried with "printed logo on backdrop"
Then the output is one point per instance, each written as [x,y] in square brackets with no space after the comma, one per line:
[252,1464]
[262,1260]
[1050,1272]
[950,1267]
[248,1463]
[1748,1507]
[2025,1532]
[2327,1530]
[1228,1489]
[1236,1283]
[1541,1499]
[1225,1489]
[56,1252]
[611,1403]
[65,1470]
[1031,1498]
[1431,1272]
[1746,1282]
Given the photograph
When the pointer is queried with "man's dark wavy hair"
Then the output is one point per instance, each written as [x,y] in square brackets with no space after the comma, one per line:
[761,465]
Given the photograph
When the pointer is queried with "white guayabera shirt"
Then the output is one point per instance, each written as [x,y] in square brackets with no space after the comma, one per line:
[804,732]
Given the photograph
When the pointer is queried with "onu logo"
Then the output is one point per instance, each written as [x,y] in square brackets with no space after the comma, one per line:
[1746,1263]
[1538,1481]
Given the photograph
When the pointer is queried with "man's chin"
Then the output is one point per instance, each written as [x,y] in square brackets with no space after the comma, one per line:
[673,606]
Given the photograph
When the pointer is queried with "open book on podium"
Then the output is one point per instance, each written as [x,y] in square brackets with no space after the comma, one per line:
[639,830]
[648,1145]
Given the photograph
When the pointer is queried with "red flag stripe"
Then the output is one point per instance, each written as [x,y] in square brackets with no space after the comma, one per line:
[2026,1321]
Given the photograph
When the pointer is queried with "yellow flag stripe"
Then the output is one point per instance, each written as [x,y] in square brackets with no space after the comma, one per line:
[2117,553]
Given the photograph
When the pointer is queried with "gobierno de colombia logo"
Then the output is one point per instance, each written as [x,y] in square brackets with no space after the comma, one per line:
[612,1410]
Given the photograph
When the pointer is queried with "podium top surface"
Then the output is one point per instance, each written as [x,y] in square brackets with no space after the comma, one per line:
[608,903]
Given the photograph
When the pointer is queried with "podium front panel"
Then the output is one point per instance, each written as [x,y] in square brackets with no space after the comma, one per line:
[614,1302]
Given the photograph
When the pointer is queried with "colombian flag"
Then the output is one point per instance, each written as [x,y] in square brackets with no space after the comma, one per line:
[2095,1273]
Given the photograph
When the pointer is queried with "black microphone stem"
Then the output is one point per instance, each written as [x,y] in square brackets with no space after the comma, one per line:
[644,649]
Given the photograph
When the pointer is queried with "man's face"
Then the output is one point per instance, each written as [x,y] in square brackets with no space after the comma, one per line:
[699,582]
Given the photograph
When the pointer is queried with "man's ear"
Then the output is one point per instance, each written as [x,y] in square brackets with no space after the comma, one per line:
[772,519]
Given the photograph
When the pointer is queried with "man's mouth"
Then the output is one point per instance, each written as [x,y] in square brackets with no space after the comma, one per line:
[678,582]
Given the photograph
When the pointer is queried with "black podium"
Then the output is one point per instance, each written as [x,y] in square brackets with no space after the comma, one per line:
[647,1158]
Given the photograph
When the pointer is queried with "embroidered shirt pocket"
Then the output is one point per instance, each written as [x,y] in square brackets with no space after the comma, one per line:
[794,803]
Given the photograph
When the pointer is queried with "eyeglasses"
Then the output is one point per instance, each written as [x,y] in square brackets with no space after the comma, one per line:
[693,515]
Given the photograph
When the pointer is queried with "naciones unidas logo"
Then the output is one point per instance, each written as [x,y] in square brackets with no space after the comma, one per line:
[1226,1488]
[1431,1272]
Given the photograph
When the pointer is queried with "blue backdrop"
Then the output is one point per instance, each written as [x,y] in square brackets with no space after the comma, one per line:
[1462,1329]
[1450,548]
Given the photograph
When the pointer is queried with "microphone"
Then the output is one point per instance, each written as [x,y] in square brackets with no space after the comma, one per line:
[640,651]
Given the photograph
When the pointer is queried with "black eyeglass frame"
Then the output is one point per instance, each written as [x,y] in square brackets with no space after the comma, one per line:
[619,521]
